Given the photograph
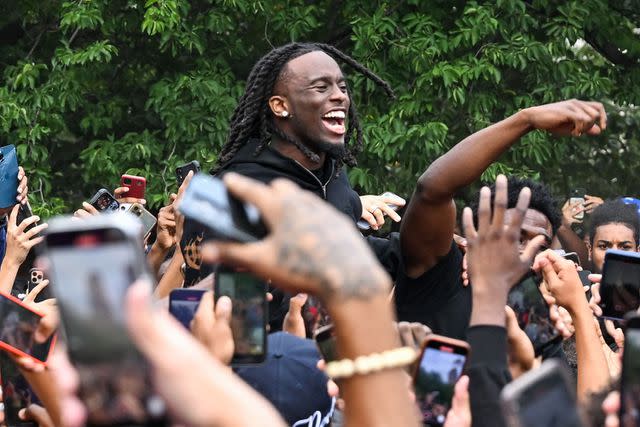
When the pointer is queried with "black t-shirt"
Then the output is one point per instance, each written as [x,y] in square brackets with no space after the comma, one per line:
[437,299]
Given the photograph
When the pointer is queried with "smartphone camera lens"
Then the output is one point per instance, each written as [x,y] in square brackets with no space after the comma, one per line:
[127,181]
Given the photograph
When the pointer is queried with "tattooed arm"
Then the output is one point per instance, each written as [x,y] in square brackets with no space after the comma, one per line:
[312,248]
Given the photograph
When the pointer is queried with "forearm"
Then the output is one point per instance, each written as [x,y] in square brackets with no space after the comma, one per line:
[593,371]
[571,242]
[156,257]
[364,327]
[8,274]
[172,278]
[466,162]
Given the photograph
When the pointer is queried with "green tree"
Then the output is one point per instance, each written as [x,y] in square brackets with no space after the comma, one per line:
[96,88]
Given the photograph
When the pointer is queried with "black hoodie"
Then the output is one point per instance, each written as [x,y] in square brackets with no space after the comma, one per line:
[328,183]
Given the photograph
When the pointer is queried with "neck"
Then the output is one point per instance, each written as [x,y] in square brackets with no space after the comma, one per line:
[290,150]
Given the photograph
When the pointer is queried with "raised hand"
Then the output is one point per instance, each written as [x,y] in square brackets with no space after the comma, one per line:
[86,210]
[569,212]
[591,202]
[210,326]
[19,241]
[120,194]
[573,117]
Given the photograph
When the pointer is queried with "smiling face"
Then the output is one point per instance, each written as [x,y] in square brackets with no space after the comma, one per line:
[611,236]
[313,91]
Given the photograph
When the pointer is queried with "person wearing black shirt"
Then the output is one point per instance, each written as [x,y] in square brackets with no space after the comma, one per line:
[426,234]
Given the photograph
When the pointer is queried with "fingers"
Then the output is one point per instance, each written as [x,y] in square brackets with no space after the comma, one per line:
[36,230]
[36,413]
[204,315]
[420,332]
[484,210]
[393,199]
[184,185]
[595,278]
[611,407]
[224,309]
[390,212]
[532,248]
[406,335]
[500,203]
[31,296]
[379,215]
[13,216]
[90,208]
[368,216]
[467,224]
[27,222]
[47,326]
[548,272]
[521,209]
[237,255]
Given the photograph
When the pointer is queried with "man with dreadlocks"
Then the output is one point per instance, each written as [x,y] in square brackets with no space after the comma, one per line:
[295,121]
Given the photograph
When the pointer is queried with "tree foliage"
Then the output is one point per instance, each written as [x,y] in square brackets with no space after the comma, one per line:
[96,88]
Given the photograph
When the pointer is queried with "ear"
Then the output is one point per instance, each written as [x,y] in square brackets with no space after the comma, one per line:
[279,105]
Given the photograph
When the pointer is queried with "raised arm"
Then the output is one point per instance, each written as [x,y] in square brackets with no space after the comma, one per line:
[427,228]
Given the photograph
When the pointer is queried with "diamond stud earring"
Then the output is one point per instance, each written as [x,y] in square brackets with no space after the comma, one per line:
[285,114]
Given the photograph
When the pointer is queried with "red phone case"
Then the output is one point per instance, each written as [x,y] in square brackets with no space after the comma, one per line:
[19,352]
[136,184]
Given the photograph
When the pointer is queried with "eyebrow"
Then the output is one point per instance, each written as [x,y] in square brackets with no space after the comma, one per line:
[326,79]
[622,243]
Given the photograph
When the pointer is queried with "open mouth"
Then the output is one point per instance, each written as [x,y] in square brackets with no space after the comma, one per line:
[334,121]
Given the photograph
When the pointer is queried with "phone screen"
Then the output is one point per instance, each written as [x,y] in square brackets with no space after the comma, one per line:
[532,312]
[17,328]
[326,342]
[16,393]
[249,315]
[92,271]
[548,402]
[183,304]
[620,285]
[438,371]
[106,202]
[630,379]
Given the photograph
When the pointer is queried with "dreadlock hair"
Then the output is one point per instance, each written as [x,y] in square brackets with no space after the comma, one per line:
[252,117]
[615,212]
[541,200]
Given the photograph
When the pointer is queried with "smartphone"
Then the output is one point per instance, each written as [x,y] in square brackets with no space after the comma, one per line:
[104,201]
[620,284]
[183,171]
[541,397]
[207,201]
[532,312]
[630,377]
[364,225]
[136,184]
[148,220]
[572,256]
[577,197]
[8,176]
[183,304]
[18,324]
[326,342]
[36,276]
[16,393]
[440,366]
[92,264]
[24,212]
[249,316]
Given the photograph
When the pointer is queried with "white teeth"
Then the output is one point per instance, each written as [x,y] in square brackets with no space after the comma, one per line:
[335,115]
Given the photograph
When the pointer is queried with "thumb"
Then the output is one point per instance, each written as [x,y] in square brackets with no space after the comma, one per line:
[233,254]
[223,309]
[548,273]
[36,413]
[460,404]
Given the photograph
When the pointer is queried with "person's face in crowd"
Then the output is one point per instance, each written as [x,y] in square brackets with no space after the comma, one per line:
[611,236]
[535,224]
[313,90]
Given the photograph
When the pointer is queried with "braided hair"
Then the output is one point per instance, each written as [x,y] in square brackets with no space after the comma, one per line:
[252,117]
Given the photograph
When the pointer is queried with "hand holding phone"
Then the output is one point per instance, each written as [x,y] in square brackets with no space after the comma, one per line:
[620,284]
[104,201]
[249,315]
[364,225]
[148,220]
[207,201]
[136,184]
[577,200]
[183,170]
[439,368]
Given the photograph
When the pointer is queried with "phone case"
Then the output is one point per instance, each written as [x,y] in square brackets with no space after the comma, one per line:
[440,339]
[183,171]
[113,205]
[136,184]
[146,217]
[8,176]
[18,352]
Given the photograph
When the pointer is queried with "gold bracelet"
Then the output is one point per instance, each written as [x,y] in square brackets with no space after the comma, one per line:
[363,365]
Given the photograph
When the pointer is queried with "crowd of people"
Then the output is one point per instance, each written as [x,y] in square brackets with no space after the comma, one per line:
[291,137]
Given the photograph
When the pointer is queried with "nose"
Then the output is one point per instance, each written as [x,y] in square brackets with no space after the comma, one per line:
[338,95]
